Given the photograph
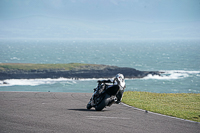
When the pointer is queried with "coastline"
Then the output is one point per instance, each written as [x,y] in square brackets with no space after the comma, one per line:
[77,71]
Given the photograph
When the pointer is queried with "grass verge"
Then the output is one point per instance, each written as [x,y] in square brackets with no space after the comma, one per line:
[181,105]
[29,66]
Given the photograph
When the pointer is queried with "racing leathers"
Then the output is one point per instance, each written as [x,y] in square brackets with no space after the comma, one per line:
[113,87]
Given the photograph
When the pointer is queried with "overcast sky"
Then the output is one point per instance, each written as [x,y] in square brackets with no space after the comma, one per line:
[104,19]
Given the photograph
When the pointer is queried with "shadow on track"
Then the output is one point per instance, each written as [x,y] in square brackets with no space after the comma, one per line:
[87,110]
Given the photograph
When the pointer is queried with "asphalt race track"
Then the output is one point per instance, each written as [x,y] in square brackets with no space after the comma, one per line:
[47,112]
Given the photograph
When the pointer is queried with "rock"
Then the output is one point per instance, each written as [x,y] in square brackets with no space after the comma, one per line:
[5,82]
[88,71]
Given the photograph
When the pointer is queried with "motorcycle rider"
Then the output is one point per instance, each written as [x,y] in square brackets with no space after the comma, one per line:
[118,83]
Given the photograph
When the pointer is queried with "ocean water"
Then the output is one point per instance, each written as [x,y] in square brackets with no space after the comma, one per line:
[178,59]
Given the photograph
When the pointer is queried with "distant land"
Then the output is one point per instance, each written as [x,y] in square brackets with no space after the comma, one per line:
[71,70]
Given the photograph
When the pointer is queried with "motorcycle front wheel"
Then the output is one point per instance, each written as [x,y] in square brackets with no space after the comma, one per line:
[103,103]
[89,106]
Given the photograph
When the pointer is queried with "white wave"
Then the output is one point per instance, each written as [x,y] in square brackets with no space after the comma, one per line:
[35,82]
[172,74]
[180,71]
[15,58]
[166,75]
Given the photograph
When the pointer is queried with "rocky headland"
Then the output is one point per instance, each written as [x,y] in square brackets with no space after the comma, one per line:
[8,71]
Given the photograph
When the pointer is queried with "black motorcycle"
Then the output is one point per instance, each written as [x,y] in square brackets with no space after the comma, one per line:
[103,96]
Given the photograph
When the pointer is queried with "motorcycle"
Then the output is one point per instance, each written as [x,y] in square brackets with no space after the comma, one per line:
[103,96]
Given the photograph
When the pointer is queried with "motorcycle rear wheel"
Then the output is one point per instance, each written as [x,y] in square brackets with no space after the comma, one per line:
[103,103]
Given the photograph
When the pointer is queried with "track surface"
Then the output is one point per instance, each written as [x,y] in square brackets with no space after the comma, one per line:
[26,112]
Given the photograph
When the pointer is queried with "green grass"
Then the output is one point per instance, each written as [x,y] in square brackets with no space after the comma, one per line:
[181,105]
[28,67]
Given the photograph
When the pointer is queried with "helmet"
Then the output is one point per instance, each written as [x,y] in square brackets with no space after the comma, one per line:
[120,80]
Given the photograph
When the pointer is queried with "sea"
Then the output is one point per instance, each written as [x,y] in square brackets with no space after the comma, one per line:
[178,59]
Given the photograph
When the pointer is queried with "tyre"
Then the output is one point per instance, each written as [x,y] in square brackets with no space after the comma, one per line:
[103,103]
[89,106]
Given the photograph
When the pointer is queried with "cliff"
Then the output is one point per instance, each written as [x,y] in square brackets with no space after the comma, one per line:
[73,70]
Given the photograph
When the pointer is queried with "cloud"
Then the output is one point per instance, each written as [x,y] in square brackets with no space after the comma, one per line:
[95,18]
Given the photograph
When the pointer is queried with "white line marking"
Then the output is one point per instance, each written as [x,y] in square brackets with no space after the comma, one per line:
[158,113]
[106,117]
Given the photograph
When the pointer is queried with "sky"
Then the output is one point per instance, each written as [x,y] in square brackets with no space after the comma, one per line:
[100,19]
